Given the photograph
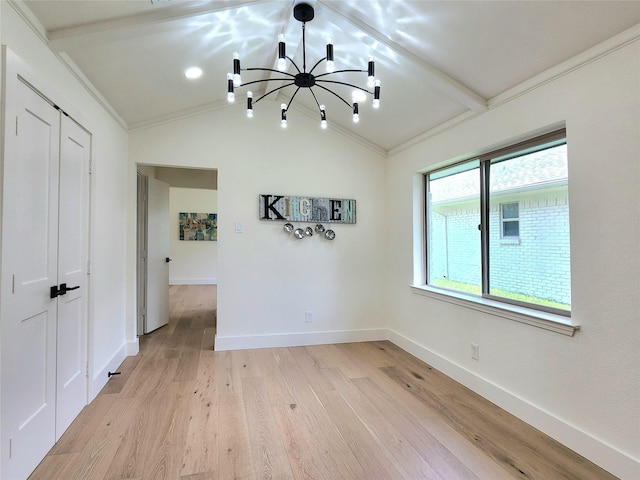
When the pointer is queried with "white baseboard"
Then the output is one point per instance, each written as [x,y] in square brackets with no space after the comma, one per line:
[242,342]
[133,348]
[193,281]
[100,378]
[606,456]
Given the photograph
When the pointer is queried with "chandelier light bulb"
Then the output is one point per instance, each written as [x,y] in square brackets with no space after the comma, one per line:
[371,73]
[323,117]
[282,53]
[330,64]
[356,114]
[283,116]
[237,81]
[376,94]
[230,95]
[250,104]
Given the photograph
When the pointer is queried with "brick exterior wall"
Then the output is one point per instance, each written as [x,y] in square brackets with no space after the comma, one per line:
[537,263]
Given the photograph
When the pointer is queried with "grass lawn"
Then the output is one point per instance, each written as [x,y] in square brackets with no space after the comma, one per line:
[477,290]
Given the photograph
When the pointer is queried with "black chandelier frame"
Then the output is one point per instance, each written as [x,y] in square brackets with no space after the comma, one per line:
[304,13]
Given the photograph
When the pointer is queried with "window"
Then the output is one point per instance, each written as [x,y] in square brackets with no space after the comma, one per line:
[498,225]
[510,220]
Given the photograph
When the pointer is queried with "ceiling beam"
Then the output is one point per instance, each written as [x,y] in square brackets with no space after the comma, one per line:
[435,77]
[97,32]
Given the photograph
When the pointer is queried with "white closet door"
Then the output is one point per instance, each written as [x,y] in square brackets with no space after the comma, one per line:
[29,269]
[157,254]
[75,155]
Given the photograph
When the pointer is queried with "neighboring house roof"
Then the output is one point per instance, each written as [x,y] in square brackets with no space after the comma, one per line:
[540,169]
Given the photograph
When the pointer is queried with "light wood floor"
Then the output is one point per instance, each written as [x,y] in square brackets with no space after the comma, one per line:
[180,411]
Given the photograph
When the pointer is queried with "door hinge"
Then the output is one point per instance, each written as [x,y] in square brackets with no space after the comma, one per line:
[16,125]
[86,371]
[13,284]
[10,446]
[90,166]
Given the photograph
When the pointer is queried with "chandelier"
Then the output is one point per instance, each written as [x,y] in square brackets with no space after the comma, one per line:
[304,13]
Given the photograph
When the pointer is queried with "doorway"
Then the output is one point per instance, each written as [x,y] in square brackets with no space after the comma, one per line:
[192,262]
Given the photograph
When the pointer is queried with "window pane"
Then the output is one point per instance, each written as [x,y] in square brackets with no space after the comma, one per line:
[536,269]
[511,229]
[453,216]
[510,210]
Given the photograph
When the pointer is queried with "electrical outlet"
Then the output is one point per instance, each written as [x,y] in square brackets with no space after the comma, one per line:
[475,352]
[308,317]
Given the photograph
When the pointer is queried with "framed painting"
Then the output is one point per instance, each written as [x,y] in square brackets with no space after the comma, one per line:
[198,226]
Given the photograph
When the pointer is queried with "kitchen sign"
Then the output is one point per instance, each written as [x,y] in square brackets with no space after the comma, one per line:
[289,208]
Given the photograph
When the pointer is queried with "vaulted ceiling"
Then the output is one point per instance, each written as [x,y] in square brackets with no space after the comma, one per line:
[436,59]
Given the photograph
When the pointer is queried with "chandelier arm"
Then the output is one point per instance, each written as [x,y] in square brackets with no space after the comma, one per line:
[268,70]
[343,83]
[314,97]
[334,93]
[339,71]
[274,90]
[265,80]
[294,64]
[318,63]
[292,97]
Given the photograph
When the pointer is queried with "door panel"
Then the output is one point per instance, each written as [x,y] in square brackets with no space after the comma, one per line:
[75,150]
[29,268]
[157,253]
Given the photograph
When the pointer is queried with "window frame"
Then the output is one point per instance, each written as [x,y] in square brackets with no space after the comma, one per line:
[535,144]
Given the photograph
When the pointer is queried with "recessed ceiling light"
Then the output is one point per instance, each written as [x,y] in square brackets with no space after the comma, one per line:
[193,73]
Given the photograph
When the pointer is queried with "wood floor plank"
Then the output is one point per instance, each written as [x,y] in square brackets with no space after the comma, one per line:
[94,460]
[404,456]
[166,459]
[269,455]
[54,466]
[117,382]
[311,369]
[142,438]
[367,449]
[85,425]
[331,356]
[429,447]
[234,448]
[228,378]
[201,445]
[338,461]
[247,362]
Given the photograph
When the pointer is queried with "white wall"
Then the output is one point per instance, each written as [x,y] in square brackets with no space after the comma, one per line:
[192,263]
[266,279]
[585,389]
[109,208]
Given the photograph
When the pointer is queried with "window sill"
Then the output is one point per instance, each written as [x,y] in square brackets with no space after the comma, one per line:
[510,241]
[536,318]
